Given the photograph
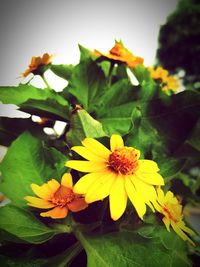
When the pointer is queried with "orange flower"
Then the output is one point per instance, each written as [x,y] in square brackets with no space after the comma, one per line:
[37,62]
[59,197]
[120,54]
[168,82]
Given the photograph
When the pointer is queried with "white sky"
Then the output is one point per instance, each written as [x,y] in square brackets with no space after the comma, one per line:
[30,28]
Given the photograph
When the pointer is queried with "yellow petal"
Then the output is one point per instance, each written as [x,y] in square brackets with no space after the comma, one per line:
[185,228]
[96,147]
[56,213]
[100,189]
[53,185]
[116,142]
[150,178]
[135,198]
[81,187]
[67,180]
[167,223]
[146,191]
[42,191]
[148,166]
[118,198]
[87,154]
[86,166]
[181,233]
[38,202]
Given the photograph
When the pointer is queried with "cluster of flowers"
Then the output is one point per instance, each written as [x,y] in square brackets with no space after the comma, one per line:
[118,54]
[117,173]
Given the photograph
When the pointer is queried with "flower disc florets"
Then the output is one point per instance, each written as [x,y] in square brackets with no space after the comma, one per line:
[124,160]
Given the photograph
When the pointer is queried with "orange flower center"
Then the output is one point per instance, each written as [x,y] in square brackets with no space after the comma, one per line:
[63,196]
[120,51]
[171,213]
[124,160]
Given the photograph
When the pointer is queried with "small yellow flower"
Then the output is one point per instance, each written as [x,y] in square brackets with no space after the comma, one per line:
[120,54]
[117,173]
[168,82]
[169,206]
[37,62]
[59,197]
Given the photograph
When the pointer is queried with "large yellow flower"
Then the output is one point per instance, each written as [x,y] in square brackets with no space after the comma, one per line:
[169,206]
[36,62]
[58,197]
[120,54]
[117,173]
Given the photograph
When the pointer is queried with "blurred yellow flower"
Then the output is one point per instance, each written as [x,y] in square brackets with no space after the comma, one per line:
[36,62]
[169,206]
[120,54]
[117,173]
[168,82]
[59,197]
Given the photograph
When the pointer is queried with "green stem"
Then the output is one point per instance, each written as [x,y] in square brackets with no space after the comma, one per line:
[46,82]
[110,73]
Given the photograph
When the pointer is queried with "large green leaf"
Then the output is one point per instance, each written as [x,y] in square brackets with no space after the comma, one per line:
[131,250]
[42,102]
[87,84]
[22,224]
[175,117]
[28,161]
[11,128]
[64,71]
[83,125]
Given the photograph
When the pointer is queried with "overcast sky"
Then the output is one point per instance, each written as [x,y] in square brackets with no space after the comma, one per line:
[33,27]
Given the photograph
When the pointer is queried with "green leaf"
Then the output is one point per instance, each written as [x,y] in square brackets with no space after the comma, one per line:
[87,84]
[131,250]
[175,117]
[64,71]
[28,161]
[194,139]
[42,102]
[83,125]
[11,128]
[22,224]
[169,167]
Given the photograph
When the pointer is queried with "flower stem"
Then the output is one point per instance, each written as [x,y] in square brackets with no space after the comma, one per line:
[46,82]
[109,79]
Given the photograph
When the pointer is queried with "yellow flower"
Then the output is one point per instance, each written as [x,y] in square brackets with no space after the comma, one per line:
[168,82]
[169,206]
[37,62]
[58,197]
[120,54]
[117,173]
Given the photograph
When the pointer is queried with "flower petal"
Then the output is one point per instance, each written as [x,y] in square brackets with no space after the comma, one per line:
[135,198]
[81,187]
[56,213]
[116,142]
[38,202]
[42,191]
[96,147]
[118,198]
[53,185]
[181,233]
[150,178]
[86,166]
[67,180]
[167,223]
[101,188]
[87,154]
[146,191]
[146,165]
[77,205]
